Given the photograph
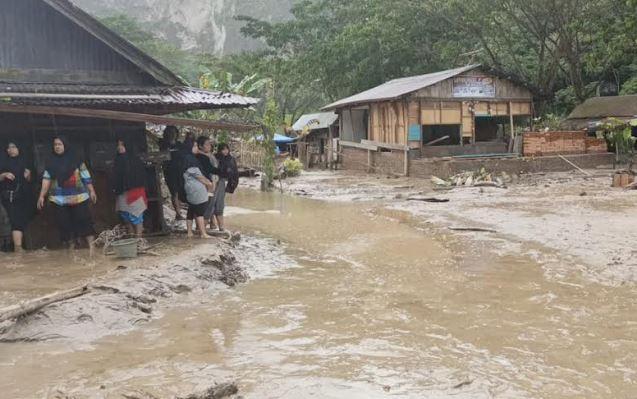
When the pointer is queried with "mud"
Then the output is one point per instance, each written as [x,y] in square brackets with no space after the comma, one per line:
[135,292]
[369,298]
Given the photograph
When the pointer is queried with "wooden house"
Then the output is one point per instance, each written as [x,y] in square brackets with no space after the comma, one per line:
[63,72]
[460,111]
[316,133]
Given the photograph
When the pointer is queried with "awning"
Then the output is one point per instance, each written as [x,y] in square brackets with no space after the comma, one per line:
[131,117]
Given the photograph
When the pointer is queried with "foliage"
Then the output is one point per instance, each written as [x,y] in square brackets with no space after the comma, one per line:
[271,122]
[292,167]
[547,122]
[630,86]
[619,134]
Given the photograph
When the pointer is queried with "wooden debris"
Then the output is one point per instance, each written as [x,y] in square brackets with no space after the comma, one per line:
[463,384]
[573,165]
[219,391]
[475,229]
[428,199]
[15,311]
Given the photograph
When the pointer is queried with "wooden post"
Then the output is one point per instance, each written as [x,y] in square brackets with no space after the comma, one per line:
[369,161]
[512,142]
[330,144]
[406,161]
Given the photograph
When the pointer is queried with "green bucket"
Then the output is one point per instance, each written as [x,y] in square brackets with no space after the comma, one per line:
[125,249]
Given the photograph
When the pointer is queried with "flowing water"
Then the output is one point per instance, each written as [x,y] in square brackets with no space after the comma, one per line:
[369,305]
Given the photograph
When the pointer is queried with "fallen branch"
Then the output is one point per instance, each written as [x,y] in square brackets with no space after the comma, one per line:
[428,199]
[476,229]
[573,165]
[631,186]
[14,311]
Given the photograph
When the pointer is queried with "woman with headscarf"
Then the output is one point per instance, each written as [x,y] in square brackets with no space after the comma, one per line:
[196,186]
[68,185]
[130,187]
[172,168]
[15,180]
[228,181]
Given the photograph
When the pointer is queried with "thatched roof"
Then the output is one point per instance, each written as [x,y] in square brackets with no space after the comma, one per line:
[606,107]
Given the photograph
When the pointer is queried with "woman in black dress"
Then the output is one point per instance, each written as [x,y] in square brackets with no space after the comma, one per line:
[15,188]
[172,168]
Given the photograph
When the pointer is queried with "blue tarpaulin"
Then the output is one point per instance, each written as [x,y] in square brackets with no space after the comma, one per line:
[279,139]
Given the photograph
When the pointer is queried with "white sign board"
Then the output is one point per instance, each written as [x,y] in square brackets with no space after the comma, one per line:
[474,87]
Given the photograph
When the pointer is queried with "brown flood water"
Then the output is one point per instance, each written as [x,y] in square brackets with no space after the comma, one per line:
[375,307]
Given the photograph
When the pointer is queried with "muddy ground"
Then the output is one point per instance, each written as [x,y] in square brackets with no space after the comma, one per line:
[577,222]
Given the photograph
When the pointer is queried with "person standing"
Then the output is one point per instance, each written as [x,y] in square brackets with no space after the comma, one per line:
[130,187]
[15,192]
[197,187]
[228,181]
[68,185]
[210,169]
[172,168]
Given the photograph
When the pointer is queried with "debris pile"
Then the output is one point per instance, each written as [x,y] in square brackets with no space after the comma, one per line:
[473,179]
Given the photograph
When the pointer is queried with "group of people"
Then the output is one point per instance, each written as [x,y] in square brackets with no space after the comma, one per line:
[194,175]
[199,178]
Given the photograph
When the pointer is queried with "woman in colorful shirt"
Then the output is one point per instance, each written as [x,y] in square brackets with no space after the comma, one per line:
[69,187]
[130,188]
[15,192]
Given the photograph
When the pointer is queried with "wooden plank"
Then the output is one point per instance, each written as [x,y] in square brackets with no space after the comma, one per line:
[358,145]
[128,116]
[390,146]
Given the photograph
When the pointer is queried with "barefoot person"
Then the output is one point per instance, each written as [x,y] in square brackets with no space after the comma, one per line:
[15,192]
[228,181]
[197,187]
[68,185]
[172,168]
[130,187]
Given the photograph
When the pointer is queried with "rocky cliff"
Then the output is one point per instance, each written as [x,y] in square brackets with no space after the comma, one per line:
[202,25]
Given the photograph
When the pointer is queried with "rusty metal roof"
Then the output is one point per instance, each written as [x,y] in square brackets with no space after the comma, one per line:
[164,98]
[399,87]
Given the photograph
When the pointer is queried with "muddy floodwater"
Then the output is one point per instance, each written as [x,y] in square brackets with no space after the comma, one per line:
[367,302]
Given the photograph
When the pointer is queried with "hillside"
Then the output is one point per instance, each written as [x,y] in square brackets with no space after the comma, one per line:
[202,25]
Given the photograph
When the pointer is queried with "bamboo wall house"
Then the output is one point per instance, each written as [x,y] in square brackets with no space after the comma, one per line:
[63,72]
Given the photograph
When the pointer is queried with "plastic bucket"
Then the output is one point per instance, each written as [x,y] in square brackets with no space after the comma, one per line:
[125,248]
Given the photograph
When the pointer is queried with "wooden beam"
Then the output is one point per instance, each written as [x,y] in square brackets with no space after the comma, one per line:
[128,116]
[389,146]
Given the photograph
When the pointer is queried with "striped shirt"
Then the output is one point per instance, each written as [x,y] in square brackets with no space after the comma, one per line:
[71,192]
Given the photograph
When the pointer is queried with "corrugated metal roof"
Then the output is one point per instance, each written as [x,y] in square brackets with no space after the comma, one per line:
[82,95]
[321,120]
[399,87]
[605,107]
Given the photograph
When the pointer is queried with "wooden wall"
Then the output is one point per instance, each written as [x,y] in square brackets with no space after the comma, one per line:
[38,44]
[400,121]
[94,141]
[388,122]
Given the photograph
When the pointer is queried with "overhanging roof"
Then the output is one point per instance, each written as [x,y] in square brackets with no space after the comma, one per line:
[321,120]
[128,116]
[158,99]
[606,107]
[120,45]
[399,87]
